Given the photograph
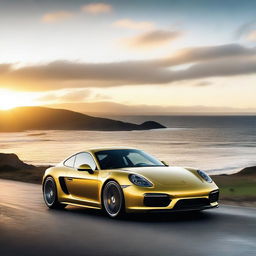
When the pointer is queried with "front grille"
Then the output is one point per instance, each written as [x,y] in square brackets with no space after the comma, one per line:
[214,196]
[191,203]
[156,200]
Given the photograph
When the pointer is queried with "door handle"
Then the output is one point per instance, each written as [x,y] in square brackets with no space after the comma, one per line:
[70,179]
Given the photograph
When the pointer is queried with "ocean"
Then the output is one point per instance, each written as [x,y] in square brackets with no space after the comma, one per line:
[216,144]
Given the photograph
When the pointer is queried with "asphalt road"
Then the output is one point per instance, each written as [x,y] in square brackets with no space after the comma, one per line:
[27,228]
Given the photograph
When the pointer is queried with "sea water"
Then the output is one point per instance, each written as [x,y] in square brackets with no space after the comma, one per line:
[217,144]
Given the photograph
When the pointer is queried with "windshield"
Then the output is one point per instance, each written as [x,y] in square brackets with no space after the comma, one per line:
[122,158]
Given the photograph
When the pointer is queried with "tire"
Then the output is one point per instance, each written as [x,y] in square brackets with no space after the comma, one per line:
[51,195]
[113,200]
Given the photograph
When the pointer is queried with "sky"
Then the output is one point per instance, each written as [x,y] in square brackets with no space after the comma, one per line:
[129,56]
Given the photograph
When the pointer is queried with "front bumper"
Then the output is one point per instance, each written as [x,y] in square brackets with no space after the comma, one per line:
[184,210]
[147,200]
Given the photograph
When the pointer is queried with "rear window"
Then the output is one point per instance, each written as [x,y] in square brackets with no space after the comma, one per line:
[70,162]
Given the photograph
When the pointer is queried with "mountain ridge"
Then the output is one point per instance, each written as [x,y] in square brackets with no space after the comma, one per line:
[42,118]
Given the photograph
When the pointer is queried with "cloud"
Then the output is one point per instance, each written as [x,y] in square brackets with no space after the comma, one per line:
[46,98]
[207,53]
[108,108]
[202,83]
[75,95]
[55,17]
[151,39]
[247,31]
[96,8]
[134,25]
[217,68]
[206,62]
[251,36]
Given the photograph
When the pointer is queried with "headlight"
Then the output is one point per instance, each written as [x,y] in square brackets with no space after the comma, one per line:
[139,181]
[205,176]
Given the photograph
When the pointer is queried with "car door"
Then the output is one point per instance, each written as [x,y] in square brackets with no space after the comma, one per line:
[83,186]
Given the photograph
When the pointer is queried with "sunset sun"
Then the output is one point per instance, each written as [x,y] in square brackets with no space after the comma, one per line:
[11,99]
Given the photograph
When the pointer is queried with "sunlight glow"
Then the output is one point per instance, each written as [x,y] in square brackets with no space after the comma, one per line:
[11,99]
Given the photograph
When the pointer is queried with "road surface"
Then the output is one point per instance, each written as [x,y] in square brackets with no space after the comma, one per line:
[27,228]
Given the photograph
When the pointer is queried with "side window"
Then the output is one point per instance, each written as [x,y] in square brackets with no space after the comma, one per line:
[85,158]
[70,162]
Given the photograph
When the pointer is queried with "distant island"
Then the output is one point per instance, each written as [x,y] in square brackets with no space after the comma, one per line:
[42,118]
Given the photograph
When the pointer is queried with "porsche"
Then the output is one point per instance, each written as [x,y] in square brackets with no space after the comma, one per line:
[123,180]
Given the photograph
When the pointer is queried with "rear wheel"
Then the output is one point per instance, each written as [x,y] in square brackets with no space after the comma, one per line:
[50,194]
[113,199]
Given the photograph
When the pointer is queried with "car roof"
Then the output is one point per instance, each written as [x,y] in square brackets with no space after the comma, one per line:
[93,150]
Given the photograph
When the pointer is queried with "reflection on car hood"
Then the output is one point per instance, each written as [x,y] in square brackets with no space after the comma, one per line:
[168,176]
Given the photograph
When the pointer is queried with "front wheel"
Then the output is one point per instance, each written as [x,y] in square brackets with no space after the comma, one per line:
[113,199]
[50,194]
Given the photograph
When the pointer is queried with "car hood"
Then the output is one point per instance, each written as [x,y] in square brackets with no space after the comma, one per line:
[170,176]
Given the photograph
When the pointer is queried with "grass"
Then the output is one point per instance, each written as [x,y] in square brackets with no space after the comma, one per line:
[237,187]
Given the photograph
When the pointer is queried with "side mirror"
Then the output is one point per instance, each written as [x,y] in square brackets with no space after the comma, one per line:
[85,167]
[166,164]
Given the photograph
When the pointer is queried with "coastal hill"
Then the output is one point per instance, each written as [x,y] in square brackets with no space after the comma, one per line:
[9,162]
[248,171]
[41,118]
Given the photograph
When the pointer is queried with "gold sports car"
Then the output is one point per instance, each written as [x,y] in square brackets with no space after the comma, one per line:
[120,180]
